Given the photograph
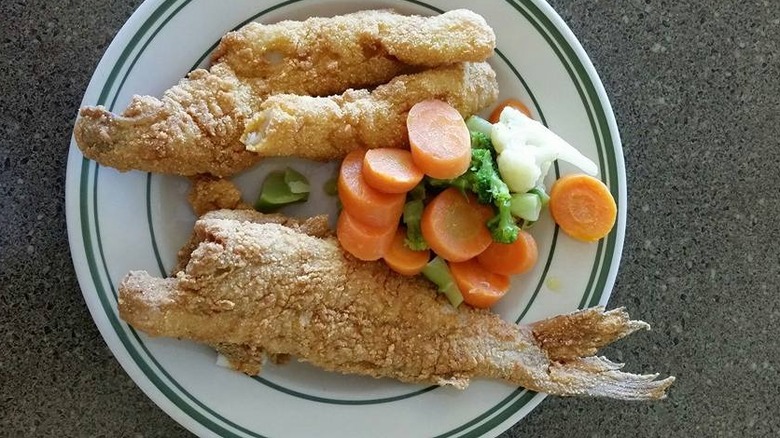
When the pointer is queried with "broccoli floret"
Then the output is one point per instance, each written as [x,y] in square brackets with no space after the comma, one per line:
[486,182]
[483,179]
[480,140]
[490,188]
[502,226]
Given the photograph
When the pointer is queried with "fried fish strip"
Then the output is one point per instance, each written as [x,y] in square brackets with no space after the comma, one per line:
[352,51]
[325,128]
[254,288]
[196,126]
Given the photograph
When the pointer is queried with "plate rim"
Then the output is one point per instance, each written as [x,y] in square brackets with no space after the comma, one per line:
[76,227]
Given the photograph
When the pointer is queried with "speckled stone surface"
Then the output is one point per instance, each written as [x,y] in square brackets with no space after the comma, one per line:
[695,90]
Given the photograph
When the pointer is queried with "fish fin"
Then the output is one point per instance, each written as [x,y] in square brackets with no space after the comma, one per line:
[247,359]
[600,377]
[456,381]
[582,333]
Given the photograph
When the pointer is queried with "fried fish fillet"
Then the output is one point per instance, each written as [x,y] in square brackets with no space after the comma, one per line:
[250,288]
[196,126]
[352,51]
[324,128]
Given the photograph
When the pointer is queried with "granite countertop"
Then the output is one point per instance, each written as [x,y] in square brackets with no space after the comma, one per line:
[696,94]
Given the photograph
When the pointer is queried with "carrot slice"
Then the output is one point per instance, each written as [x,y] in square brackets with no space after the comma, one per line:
[480,288]
[453,224]
[513,103]
[403,260]
[364,202]
[510,259]
[439,139]
[361,240]
[583,207]
[391,170]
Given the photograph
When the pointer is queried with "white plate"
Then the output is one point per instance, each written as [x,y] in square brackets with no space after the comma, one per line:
[123,221]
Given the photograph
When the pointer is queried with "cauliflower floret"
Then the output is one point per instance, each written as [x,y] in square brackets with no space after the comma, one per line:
[518,169]
[527,149]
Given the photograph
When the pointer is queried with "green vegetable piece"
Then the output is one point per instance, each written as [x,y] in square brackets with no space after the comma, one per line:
[486,181]
[491,189]
[413,211]
[478,124]
[481,141]
[331,187]
[503,227]
[439,273]
[542,194]
[276,191]
[418,192]
[296,182]
[462,183]
[526,206]
[483,179]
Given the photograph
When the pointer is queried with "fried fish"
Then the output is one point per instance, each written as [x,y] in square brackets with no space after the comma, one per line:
[252,285]
[196,126]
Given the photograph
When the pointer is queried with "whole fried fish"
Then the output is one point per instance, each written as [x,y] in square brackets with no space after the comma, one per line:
[252,285]
[196,126]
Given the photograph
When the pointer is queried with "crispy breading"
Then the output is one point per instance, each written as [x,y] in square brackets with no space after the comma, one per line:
[315,226]
[209,193]
[196,126]
[325,128]
[275,290]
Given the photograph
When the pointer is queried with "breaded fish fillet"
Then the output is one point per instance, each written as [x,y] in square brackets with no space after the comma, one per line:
[352,51]
[253,288]
[324,128]
[195,127]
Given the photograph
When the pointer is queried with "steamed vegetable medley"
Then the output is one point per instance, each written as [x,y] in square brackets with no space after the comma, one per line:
[456,207]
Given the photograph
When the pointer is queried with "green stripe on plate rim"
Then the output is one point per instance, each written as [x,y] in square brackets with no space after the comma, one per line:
[89,250]
[540,28]
[606,247]
[106,304]
[532,13]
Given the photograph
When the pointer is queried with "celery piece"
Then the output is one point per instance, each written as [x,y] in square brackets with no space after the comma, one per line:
[276,193]
[296,182]
[439,273]
[478,124]
[526,206]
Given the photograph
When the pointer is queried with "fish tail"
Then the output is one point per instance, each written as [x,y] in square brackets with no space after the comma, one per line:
[600,377]
[584,332]
[571,342]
